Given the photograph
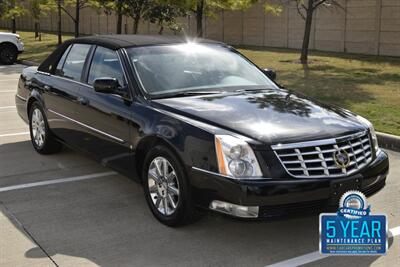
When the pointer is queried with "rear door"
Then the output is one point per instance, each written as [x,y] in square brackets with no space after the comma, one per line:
[61,93]
[106,117]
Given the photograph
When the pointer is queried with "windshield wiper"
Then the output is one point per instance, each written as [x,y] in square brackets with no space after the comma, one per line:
[252,89]
[188,93]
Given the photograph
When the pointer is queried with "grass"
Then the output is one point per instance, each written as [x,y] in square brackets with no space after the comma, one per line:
[367,85]
[38,50]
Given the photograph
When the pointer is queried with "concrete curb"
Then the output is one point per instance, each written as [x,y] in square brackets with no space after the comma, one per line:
[28,63]
[389,141]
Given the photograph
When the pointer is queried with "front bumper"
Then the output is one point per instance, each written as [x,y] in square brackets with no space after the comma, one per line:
[291,196]
[20,47]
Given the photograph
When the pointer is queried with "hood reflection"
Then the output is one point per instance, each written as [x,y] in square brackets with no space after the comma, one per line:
[267,115]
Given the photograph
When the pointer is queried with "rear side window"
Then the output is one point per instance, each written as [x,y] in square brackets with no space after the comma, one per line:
[72,62]
[61,62]
[105,64]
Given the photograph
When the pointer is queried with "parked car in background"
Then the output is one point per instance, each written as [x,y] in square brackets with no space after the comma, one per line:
[199,125]
[10,46]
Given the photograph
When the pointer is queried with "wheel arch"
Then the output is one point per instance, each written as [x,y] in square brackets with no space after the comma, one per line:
[8,43]
[146,144]
[34,97]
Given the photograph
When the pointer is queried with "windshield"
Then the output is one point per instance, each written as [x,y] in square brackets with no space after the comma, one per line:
[169,69]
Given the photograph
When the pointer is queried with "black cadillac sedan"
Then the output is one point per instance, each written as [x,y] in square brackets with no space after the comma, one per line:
[199,125]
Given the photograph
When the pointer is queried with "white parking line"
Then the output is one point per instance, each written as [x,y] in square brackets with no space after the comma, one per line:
[14,134]
[8,91]
[315,256]
[7,107]
[56,181]
[9,80]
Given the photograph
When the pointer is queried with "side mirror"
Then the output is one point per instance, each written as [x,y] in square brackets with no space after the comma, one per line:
[270,73]
[106,85]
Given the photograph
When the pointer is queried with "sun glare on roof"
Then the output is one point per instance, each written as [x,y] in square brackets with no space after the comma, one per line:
[192,47]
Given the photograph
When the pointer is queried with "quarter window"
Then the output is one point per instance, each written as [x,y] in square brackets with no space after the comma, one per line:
[72,62]
[105,63]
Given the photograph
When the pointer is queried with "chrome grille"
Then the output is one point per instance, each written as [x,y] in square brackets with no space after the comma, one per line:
[315,159]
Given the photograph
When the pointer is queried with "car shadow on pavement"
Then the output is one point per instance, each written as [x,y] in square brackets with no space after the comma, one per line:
[106,221]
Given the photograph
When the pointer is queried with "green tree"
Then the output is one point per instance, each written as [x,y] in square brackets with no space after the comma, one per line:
[38,9]
[164,15]
[11,9]
[59,31]
[78,6]
[117,6]
[136,9]
[203,8]
[306,11]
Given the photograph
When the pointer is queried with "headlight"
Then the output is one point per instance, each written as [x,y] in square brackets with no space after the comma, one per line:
[235,157]
[371,130]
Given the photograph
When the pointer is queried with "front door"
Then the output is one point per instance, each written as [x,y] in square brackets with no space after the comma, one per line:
[105,118]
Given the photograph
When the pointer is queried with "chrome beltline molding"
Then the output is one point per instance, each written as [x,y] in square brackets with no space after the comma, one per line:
[87,126]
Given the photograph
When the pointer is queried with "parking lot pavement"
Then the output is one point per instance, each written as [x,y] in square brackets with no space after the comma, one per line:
[67,210]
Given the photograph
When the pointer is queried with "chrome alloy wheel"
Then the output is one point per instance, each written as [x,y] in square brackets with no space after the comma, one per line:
[38,127]
[163,186]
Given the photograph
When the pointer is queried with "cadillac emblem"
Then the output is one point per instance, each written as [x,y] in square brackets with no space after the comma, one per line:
[341,158]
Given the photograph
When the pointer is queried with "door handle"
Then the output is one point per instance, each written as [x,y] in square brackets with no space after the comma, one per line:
[83,101]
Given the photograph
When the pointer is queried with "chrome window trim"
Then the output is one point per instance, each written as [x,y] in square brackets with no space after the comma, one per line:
[87,126]
[231,177]
[44,73]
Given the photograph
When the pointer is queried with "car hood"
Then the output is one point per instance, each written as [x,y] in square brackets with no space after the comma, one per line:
[271,116]
[9,34]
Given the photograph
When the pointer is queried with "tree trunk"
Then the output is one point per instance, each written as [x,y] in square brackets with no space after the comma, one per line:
[39,32]
[307,33]
[199,17]
[77,11]
[136,21]
[59,22]
[13,25]
[119,17]
[36,29]
[161,29]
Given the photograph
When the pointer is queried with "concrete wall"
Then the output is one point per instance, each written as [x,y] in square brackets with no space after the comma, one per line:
[362,26]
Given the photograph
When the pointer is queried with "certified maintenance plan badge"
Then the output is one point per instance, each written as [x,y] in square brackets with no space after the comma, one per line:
[353,230]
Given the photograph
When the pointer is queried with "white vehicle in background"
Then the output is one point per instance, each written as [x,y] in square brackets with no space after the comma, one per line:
[10,46]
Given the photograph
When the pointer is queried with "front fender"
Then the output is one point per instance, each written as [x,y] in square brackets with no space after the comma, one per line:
[194,145]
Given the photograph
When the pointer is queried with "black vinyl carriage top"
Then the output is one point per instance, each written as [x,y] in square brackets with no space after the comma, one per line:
[116,42]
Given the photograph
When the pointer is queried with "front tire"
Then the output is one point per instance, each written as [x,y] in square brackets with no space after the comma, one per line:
[8,54]
[166,188]
[42,139]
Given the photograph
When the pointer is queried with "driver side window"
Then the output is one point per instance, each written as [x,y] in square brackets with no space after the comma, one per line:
[105,63]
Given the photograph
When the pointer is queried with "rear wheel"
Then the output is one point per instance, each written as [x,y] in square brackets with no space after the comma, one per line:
[8,54]
[42,139]
[166,188]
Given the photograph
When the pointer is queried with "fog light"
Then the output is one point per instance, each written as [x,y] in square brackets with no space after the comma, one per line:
[234,210]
